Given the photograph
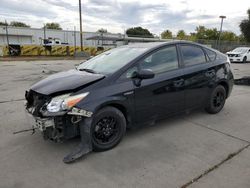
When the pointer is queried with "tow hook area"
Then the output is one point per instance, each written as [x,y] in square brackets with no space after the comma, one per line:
[43,124]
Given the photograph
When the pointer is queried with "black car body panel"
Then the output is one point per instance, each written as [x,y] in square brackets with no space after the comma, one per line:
[158,97]
[167,93]
[65,81]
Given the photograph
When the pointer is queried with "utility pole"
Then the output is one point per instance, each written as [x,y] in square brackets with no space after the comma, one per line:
[44,38]
[44,33]
[75,37]
[67,36]
[80,16]
[102,38]
[221,24]
[7,36]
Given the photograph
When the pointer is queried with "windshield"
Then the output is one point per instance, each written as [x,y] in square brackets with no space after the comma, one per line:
[240,50]
[112,60]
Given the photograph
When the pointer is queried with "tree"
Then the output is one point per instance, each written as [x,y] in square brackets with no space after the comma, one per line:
[102,30]
[167,34]
[200,32]
[241,38]
[181,35]
[53,25]
[229,36]
[212,34]
[139,32]
[192,36]
[245,27]
[4,23]
[206,34]
[18,24]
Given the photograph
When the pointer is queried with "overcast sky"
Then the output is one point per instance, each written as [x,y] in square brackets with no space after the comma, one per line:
[118,15]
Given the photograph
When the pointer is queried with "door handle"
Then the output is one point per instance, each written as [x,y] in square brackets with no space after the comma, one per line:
[179,82]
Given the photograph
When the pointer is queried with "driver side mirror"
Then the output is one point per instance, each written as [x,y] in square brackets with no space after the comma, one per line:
[138,76]
[143,74]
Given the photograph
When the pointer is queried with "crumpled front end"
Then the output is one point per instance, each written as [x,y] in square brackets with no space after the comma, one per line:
[58,127]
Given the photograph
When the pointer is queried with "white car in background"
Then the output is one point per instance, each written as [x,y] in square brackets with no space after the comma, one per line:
[240,54]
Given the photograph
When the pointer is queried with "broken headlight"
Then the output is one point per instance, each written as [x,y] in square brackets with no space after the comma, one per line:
[64,102]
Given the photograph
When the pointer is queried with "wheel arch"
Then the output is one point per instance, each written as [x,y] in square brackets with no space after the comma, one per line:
[225,85]
[118,106]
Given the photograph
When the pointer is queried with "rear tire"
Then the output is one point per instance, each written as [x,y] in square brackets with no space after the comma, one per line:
[107,129]
[217,100]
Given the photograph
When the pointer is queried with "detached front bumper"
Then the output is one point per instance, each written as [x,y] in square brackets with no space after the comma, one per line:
[60,128]
[57,129]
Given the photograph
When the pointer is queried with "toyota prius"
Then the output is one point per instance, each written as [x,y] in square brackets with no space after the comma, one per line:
[127,87]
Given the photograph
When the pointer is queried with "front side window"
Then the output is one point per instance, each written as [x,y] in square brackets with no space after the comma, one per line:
[161,61]
[192,55]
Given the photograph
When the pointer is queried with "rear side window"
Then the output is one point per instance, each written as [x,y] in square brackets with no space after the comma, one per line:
[192,55]
[211,55]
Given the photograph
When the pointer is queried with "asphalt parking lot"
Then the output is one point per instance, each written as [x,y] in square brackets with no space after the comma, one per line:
[193,150]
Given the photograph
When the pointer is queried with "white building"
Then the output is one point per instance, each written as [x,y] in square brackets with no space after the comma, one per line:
[18,37]
[30,36]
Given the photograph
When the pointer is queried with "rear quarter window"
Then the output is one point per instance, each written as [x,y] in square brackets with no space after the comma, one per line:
[211,55]
[192,55]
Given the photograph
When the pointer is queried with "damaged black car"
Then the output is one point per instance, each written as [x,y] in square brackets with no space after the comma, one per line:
[127,87]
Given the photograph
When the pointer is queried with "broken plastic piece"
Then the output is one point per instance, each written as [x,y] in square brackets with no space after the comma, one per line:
[85,146]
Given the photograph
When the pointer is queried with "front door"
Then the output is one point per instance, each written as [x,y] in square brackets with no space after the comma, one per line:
[162,95]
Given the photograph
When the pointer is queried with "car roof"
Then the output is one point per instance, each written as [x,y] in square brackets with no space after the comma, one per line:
[150,45]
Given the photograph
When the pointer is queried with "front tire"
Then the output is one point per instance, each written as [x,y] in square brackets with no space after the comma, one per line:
[107,129]
[217,100]
[244,60]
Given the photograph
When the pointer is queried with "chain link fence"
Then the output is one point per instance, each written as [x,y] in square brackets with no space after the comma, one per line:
[223,46]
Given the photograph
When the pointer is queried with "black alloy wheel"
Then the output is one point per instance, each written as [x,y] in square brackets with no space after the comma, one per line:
[217,100]
[108,128]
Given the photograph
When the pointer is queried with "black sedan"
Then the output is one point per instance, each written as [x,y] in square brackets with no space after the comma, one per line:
[128,87]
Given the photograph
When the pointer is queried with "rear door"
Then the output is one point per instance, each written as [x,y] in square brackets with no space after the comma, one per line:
[198,73]
[162,95]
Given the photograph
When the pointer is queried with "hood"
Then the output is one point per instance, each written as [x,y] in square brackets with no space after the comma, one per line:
[234,53]
[237,52]
[65,81]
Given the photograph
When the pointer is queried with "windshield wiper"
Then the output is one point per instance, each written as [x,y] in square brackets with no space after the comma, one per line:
[88,70]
